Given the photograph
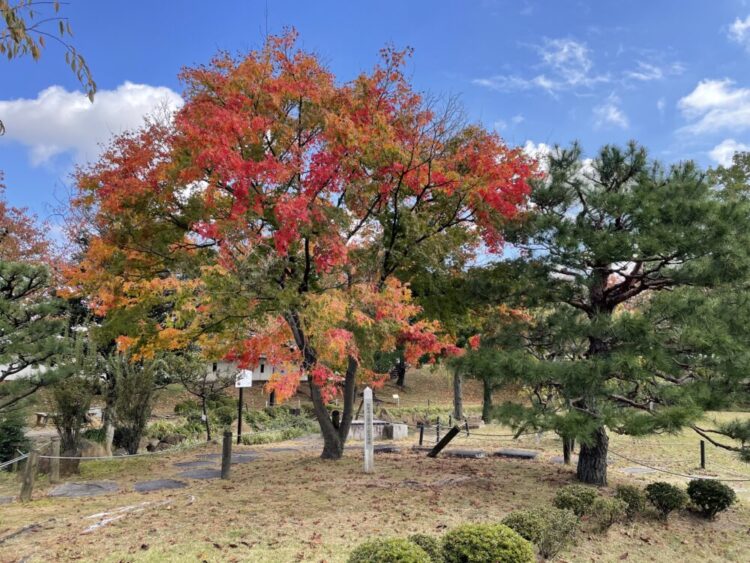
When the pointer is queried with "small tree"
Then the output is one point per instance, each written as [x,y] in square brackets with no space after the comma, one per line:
[192,371]
[71,400]
[136,382]
[72,395]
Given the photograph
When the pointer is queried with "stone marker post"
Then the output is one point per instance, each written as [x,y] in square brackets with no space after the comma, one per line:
[369,450]
[54,462]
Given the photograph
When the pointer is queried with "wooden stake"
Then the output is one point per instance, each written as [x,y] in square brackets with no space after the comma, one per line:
[54,462]
[226,454]
[27,486]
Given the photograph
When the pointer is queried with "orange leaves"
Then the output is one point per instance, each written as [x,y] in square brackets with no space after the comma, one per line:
[283,384]
[271,339]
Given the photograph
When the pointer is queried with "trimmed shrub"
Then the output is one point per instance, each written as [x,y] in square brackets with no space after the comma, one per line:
[577,498]
[606,512]
[486,543]
[634,497]
[666,498]
[550,529]
[389,551]
[430,545]
[529,524]
[710,496]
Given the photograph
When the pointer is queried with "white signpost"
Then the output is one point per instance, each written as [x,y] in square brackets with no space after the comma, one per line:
[369,468]
[244,378]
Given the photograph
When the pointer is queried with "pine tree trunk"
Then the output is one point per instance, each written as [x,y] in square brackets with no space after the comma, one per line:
[458,407]
[592,459]
[486,401]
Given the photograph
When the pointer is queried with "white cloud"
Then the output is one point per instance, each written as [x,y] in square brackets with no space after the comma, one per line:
[567,65]
[502,124]
[661,105]
[610,113]
[739,32]
[716,105]
[58,121]
[724,151]
[648,71]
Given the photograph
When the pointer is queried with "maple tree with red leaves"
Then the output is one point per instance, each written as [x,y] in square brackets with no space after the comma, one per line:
[281,213]
[21,238]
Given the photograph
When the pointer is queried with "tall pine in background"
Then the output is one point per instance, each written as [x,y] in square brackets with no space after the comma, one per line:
[625,264]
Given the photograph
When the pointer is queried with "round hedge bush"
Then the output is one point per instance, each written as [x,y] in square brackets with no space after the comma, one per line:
[486,543]
[389,551]
[430,545]
[665,497]
[634,497]
[606,512]
[577,498]
[549,529]
[710,496]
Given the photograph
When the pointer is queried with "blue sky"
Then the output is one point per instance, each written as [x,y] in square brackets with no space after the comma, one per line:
[673,74]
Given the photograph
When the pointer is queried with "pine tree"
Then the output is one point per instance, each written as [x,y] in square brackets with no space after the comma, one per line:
[32,332]
[603,241]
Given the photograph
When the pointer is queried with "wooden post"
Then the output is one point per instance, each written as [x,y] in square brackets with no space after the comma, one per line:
[239,418]
[421,433]
[466,425]
[27,486]
[703,454]
[369,448]
[54,462]
[226,454]
[444,442]
[437,430]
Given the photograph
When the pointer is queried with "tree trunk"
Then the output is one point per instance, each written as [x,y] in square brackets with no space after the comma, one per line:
[458,407]
[400,372]
[333,438]
[568,444]
[205,419]
[486,401]
[109,428]
[592,459]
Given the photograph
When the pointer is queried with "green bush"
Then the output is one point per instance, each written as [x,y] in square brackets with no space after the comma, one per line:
[665,497]
[162,428]
[605,512]
[529,524]
[430,545]
[710,496]
[550,529]
[276,418]
[389,551]
[486,543]
[12,435]
[271,436]
[97,435]
[634,497]
[577,498]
